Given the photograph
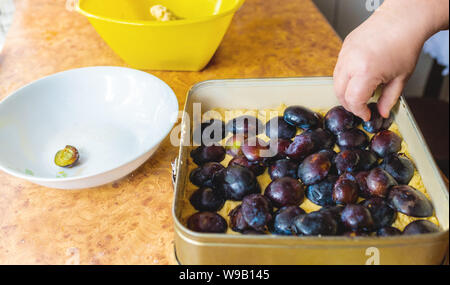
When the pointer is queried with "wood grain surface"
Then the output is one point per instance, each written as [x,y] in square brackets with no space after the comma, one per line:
[129,221]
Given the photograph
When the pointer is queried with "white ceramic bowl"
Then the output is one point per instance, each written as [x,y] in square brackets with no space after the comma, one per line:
[116,117]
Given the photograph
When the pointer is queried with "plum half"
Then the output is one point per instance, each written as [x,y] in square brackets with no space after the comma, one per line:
[399,166]
[338,120]
[285,191]
[315,223]
[410,201]
[385,143]
[353,138]
[302,117]
[283,220]
[314,168]
[322,193]
[382,214]
[204,154]
[420,227]
[246,125]
[345,190]
[235,182]
[279,128]
[282,168]
[201,176]
[207,222]
[379,182]
[257,211]
[357,218]
[206,199]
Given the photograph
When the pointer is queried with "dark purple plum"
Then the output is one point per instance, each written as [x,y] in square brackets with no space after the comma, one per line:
[338,120]
[257,211]
[255,150]
[388,232]
[315,223]
[207,222]
[201,176]
[345,190]
[245,125]
[204,154]
[361,179]
[233,145]
[388,122]
[410,201]
[256,167]
[346,161]
[351,139]
[382,214]
[277,149]
[283,168]
[367,159]
[331,154]
[302,146]
[322,193]
[399,166]
[314,168]
[235,182]
[206,199]
[385,143]
[237,221]
[420,227]
[322,139]
[209,132]
[335,213]
[283,220]
[285,191]
[375,124]
[302,117]
[379,182]
[309,142]
[197,178]
[278,128]
[357,218]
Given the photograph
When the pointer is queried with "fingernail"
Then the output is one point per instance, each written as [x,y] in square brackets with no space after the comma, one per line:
[366,117]
[384,115]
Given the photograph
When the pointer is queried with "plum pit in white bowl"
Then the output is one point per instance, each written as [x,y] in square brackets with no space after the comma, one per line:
[116,117]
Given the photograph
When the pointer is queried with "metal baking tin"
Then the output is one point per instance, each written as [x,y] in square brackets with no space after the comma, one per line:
[317,92]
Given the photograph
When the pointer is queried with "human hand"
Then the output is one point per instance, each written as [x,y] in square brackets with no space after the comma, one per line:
[383,50]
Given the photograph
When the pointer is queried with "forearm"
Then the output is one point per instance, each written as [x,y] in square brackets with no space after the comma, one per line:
[424,17]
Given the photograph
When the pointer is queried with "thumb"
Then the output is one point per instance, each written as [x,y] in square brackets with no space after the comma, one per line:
[389,96]
[359,90]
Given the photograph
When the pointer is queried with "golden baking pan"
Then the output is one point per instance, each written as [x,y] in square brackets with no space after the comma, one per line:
[317,93]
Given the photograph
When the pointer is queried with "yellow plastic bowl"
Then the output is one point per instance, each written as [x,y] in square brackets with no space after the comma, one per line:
[144,43]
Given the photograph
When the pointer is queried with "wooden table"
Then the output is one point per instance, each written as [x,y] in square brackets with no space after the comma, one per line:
[129,221]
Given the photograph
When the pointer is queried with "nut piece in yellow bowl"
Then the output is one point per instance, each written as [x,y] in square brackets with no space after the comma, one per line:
[163,14]
[161,34]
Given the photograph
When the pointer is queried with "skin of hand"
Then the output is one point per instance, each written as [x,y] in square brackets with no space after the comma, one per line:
[384,50]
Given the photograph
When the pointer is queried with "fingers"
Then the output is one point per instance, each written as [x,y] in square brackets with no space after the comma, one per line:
[340,79]
[359,90]
[389,96]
